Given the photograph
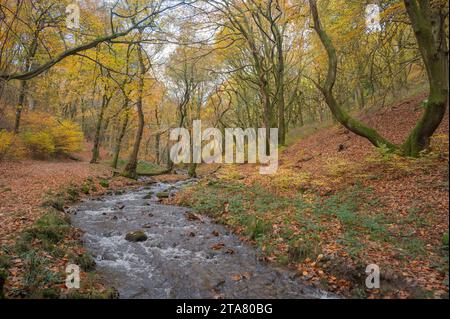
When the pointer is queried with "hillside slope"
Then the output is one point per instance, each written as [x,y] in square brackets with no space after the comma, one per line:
[337,204]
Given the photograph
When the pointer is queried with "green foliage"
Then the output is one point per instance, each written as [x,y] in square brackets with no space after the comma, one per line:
[55,201]
[85,261]
[37,276]
[86,189]
[3,277]
[5,262]
[256,227]
[104,183]
[445,240]
[50,229]
[73,193]
[413,246]
[93,294]
[37,247]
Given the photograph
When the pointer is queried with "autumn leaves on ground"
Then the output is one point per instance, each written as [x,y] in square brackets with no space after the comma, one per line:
[92,92]
[335,205]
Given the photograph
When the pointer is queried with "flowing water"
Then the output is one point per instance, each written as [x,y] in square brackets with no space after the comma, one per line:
[178,259]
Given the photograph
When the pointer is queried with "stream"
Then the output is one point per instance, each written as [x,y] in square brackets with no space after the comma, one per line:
[177,260]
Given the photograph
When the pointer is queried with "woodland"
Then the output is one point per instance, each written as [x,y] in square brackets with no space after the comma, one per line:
[358,90]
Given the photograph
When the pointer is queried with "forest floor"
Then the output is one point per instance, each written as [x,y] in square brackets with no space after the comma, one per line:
[36,239]
[337,204]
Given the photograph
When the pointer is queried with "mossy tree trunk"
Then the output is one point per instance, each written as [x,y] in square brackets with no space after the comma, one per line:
[428,27]
[278,36]
[192,171]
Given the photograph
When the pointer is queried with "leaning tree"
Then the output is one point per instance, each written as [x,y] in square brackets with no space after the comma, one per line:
[428,22]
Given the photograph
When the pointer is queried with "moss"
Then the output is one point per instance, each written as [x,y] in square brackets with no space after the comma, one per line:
[54,201]
[108,294]
[136,236]
[130,174]
[104,183]
[257,227]
[445,240]
[50,229]
[73,194]
[85,261]
[3,276]
[85,189]
[163,195]
[149,196]
[5,262]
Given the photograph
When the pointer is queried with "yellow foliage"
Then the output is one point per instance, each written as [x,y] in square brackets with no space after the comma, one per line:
[338,166]
[44,136]
[287,179]
[67,137]
[39,144]
[10,146]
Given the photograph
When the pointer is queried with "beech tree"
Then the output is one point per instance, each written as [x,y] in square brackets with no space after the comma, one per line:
[428,25]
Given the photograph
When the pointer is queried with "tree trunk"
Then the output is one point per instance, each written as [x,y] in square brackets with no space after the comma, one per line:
[360,96]
[120,138]
[130,168]
[24,83]
[192,171]
[20,104]
[157,148]
[170,163]
[429,30]
[339,113]
[280,86]
[98,131]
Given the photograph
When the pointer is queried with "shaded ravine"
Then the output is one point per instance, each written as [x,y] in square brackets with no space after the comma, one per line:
[177,260]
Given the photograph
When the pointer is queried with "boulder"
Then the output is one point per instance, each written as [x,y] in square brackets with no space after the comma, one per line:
[136,236]
[161,195]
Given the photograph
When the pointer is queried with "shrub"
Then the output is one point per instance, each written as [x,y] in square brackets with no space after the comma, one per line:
[44,136]
[39,144]
[6,141]
[10,145]
[67,137]
[73,193]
